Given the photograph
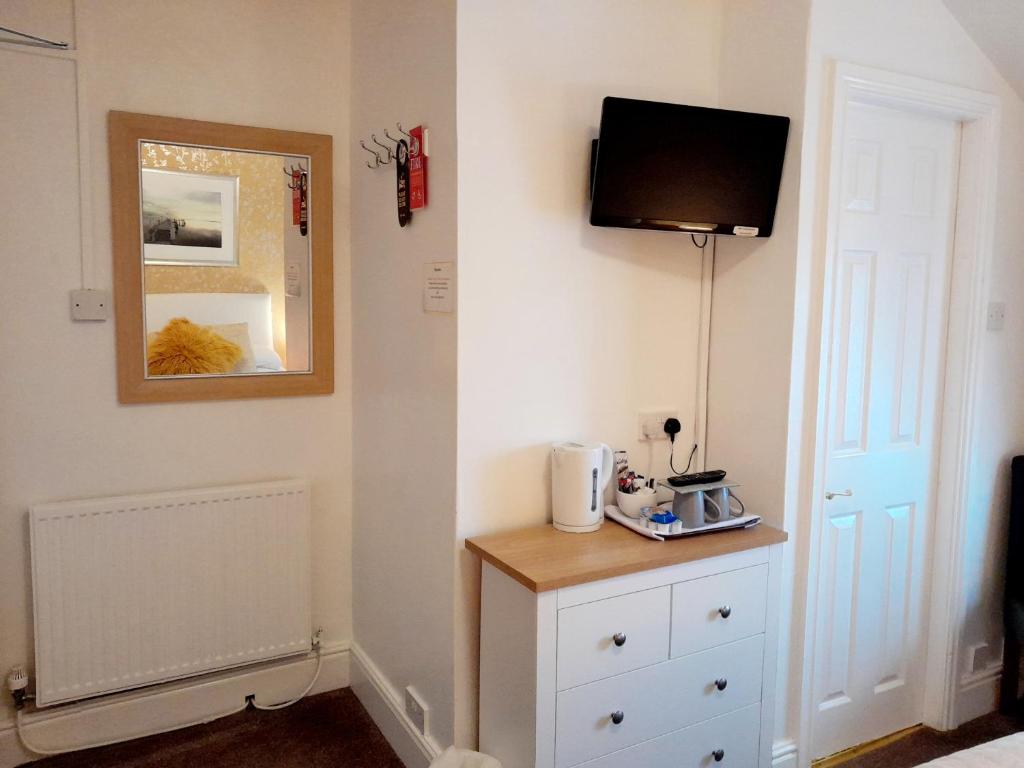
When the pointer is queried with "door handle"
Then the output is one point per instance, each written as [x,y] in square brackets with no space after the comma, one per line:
[829,495]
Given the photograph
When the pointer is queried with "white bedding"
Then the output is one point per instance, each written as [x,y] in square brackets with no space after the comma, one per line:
[1007,752]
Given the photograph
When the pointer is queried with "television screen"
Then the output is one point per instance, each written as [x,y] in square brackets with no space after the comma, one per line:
[687,169]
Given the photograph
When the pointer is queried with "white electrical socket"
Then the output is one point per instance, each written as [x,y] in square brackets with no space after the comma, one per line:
[651,425]
[416,710]
[90,304]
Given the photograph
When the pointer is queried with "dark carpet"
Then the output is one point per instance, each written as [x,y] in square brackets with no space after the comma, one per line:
[331,730]
[926,744]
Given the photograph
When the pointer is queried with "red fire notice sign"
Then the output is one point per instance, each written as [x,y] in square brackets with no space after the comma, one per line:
[418,152]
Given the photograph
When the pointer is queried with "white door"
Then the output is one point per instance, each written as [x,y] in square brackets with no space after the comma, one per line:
[891,273]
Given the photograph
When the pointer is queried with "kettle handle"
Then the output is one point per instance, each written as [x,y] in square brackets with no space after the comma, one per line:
[607,465]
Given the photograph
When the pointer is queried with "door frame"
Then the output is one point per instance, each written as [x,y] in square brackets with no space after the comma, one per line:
[978,114]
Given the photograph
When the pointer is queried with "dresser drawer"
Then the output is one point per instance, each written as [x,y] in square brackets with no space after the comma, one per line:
[734,737]
[718,609]
[657,700]
[608,637]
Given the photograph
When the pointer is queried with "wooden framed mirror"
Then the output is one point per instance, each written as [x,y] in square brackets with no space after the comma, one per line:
[223,260]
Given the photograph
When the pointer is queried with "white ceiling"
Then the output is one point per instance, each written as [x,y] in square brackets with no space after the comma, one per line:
[997,26]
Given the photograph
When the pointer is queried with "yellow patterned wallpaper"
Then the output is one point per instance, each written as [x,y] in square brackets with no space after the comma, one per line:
[260,236]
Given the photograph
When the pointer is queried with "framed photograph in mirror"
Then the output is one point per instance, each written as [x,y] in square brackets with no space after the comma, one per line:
[219,293]
[189,218]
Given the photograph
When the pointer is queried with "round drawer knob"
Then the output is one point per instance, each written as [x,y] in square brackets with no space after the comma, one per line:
[720,683]
[619,639]
[618,717]
[718,754]
[725,611]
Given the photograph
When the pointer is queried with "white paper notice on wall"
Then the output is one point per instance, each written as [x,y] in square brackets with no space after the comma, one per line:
[293,279]
[439,286]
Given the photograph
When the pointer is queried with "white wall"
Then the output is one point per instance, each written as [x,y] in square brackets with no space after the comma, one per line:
[62,433]
[403,70]
[566,331]
[918,37]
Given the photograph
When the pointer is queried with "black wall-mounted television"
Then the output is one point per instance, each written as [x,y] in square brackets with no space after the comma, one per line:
[686,169]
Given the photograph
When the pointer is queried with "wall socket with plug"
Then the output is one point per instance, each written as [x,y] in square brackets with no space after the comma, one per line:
[416,709]
[651,425]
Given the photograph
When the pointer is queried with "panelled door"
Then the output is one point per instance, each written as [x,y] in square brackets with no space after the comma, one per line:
[889,306]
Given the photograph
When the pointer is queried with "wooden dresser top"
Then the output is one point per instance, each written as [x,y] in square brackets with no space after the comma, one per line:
[542,558]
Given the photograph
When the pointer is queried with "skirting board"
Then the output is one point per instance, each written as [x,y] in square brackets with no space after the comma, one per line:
[417,750]
[173,705]
[784,754]
[978,694]
[386,707]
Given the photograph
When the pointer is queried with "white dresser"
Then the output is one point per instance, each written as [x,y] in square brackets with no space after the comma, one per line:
[608,650]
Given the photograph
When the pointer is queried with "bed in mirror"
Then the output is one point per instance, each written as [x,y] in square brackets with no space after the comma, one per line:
[222,258]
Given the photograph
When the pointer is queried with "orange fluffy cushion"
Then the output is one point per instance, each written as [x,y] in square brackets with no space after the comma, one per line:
[183,347]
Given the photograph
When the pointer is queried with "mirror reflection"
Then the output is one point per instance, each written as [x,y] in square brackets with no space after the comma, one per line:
[226,261]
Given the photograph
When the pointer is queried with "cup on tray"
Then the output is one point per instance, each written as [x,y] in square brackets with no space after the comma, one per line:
[720,505]
[694,508]
[632,504]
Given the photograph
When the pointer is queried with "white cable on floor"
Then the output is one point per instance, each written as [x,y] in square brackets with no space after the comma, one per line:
[39,751]
[19,725]
[316,675]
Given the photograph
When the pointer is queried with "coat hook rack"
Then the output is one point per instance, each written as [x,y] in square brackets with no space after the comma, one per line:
[376,157]
[387,150]
[390,152]
[293,173]
[406,153]
[298,183]
[27,39]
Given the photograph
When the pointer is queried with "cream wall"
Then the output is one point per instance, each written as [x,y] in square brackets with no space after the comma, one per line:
[566,331]
[549,307]
[763,64]
[62,433]
[921,38]
[547,302]
[403,70]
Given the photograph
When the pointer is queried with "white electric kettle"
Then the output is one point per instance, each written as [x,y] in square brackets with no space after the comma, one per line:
[579,475]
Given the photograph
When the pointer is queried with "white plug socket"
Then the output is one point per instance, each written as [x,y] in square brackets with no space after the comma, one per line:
[416,710]
[90,304]
[651,425]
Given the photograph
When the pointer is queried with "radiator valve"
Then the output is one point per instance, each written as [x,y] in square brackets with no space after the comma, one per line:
[17,682]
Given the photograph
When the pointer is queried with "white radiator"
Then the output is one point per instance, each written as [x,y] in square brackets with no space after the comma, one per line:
[136,590]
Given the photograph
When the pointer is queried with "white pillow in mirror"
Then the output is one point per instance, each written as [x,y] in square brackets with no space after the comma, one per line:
[267,359]
[238,333]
